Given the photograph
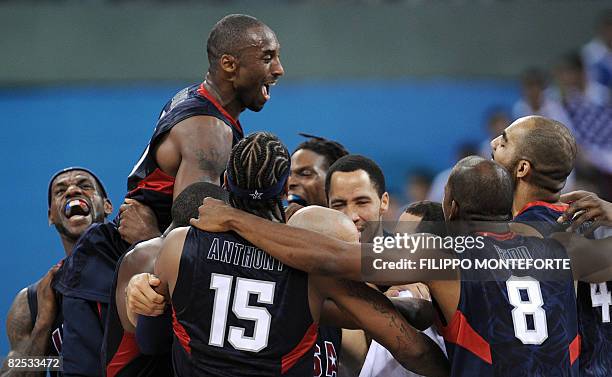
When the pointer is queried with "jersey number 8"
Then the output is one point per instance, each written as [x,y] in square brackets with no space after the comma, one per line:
[264,290]
[528,317]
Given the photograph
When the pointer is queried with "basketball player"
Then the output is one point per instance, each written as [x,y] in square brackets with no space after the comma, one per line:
[275,309]
[355,186]
[309,165]
[191,142]
[540,154]
[509,345]
[121,354]
[76,199]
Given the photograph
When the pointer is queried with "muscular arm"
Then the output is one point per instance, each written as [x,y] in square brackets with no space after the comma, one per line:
[373,312]
[25,338]
[196,149]
[313,252]
[152,332]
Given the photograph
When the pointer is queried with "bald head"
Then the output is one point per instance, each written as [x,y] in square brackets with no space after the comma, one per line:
[548,146]
[481,190]
[327,221]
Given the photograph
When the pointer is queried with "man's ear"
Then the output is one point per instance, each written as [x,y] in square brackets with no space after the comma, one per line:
[523,168]
[108,207]
[384,203]
[225,185]
[454,210]
[229,63]
[49,217]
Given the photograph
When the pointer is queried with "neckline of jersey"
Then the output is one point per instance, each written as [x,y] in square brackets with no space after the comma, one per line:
[205,93]
[539,203]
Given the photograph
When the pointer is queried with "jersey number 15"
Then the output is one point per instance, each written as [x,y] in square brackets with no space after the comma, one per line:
[244,288]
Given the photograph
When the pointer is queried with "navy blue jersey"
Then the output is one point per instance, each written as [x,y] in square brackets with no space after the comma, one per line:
[594,301]
[542,216]
[55,340]
[121,356]
[147,183]
[517,326]
[86,278]
[327,351]
[239,312]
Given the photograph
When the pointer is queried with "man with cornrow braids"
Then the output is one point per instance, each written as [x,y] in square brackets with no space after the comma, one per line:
[272,325]
[191,142]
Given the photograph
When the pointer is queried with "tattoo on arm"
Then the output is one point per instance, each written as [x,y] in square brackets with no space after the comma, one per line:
[211,162]
[22,339]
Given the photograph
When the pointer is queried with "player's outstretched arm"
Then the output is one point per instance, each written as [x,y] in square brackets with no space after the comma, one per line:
[302,249]
[27,338]
[591,260]
[373,312]
[196,149]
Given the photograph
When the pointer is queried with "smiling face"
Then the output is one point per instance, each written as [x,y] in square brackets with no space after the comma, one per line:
[353,194]
[76,203]
[258,68]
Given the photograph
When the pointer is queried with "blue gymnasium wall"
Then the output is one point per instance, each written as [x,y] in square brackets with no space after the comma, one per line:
[401,124]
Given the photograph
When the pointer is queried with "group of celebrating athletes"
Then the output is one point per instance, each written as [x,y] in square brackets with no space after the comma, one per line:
[254,288]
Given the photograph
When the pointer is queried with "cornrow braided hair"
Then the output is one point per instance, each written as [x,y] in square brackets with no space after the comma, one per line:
[331,150]
[258,162]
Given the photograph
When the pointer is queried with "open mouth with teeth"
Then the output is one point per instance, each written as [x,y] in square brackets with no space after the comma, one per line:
[76,209]
[265,89]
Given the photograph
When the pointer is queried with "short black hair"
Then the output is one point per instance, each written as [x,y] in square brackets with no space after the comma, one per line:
[482,189]
[186,204]
[75,168]
[353,162]
[229,36]
[331,150]
[426,210]
[551,149]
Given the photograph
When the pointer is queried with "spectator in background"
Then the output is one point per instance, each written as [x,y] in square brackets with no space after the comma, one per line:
[497,119]
[534,100]
[597,54]
[589,108]
[572,82]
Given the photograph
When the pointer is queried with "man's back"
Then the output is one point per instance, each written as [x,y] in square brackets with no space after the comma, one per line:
[512,324]
[238,311]
[594,300]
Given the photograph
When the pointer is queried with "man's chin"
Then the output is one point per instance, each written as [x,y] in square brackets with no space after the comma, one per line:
[73,231]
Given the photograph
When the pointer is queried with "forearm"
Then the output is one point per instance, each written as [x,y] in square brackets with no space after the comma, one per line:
[430,360]
[37,344]
[301,249]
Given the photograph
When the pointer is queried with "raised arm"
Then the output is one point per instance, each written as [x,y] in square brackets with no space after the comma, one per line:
[302,249]
[27,338]
[374,313]
[196,149]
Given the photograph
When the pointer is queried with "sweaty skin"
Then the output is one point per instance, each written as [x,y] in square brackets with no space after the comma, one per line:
[368,308]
